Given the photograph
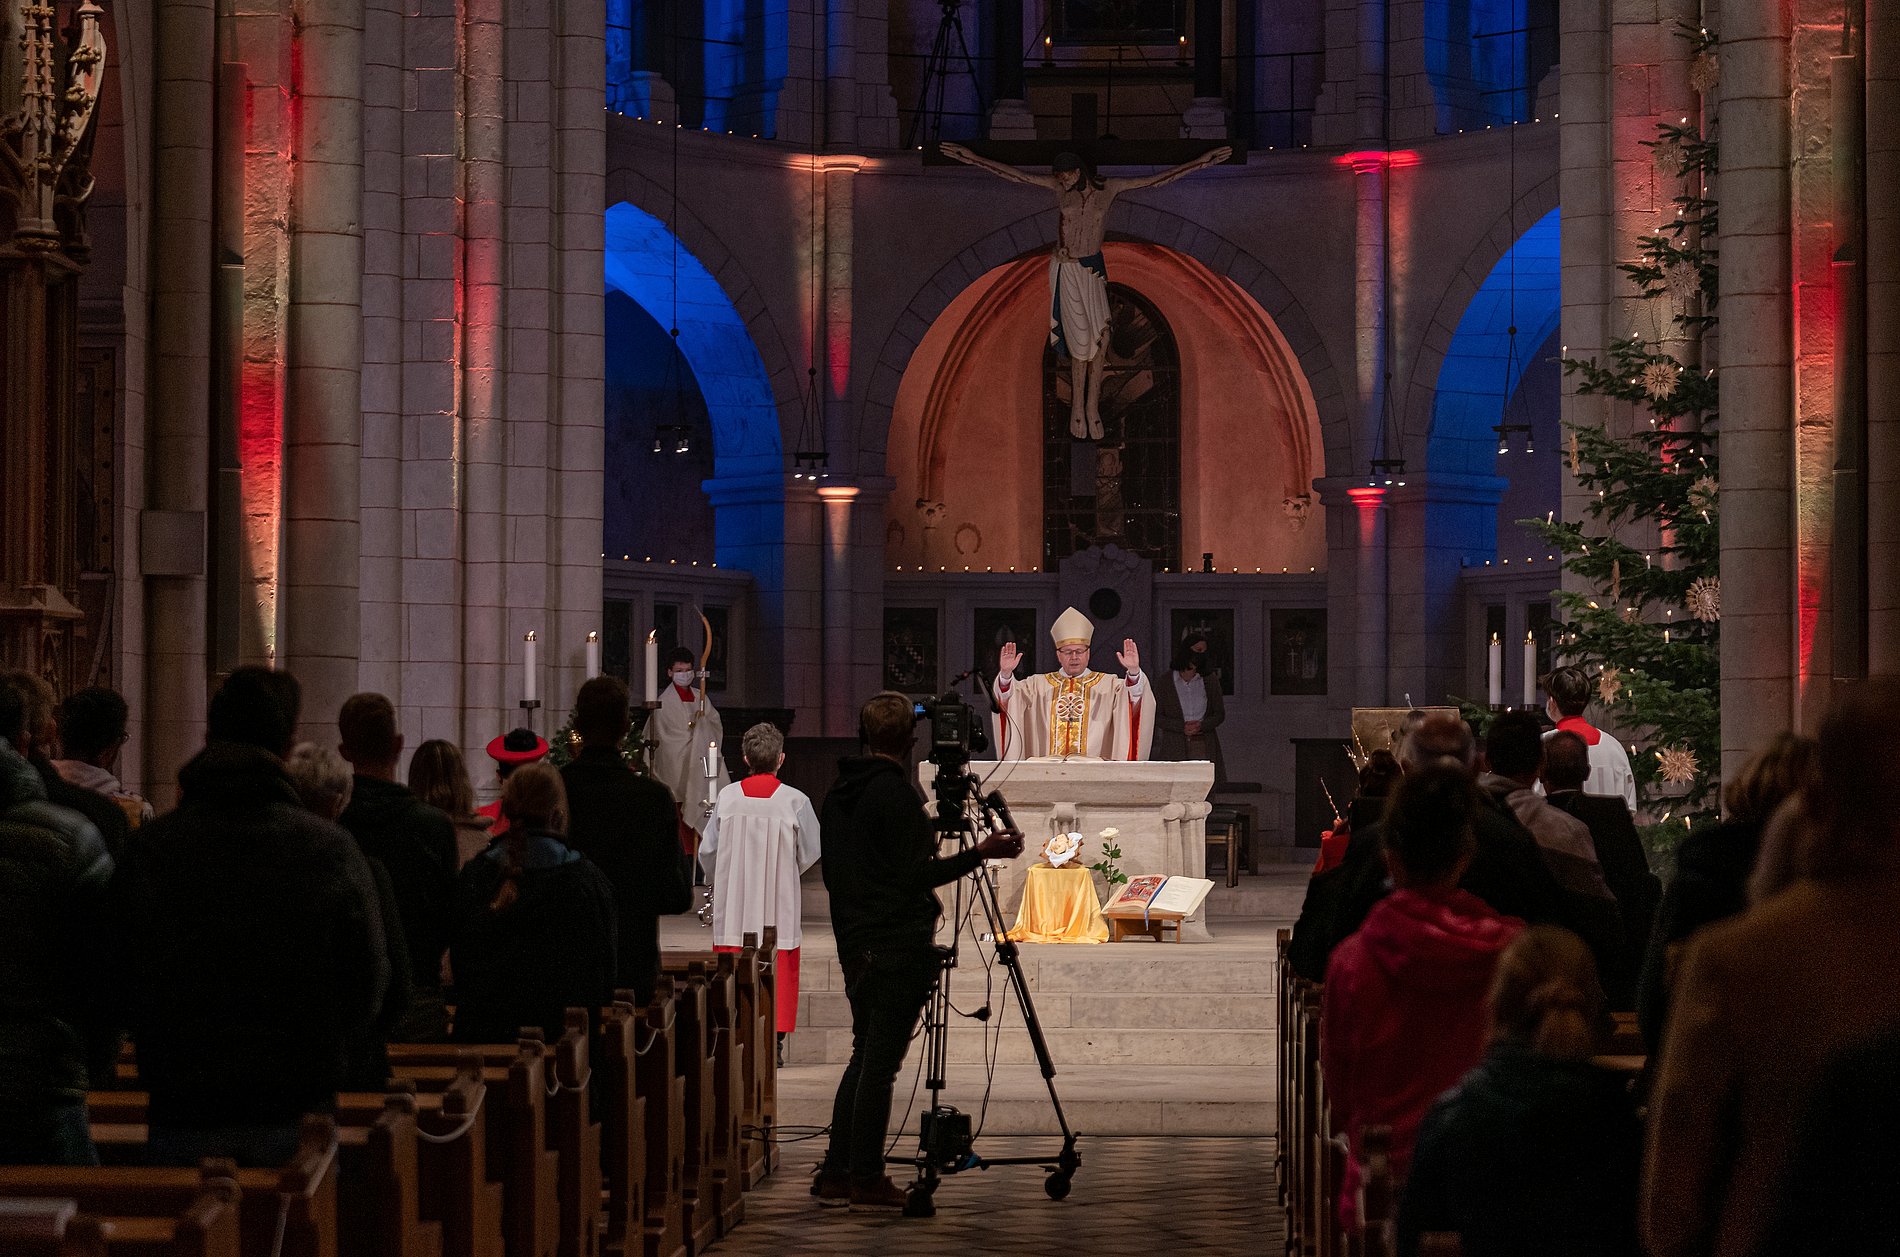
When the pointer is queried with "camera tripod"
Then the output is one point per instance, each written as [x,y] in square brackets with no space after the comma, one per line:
[946,1144]
[937,71]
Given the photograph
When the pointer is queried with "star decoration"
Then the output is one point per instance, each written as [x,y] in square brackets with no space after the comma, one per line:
[1574,453]
[1704,599]
[1702,493]
[1678,765]
[1609,684]
[1659,379]
[1706,72]
[1668,154]
[1684,279]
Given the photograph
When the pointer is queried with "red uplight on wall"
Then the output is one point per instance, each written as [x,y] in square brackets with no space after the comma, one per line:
[1366,160]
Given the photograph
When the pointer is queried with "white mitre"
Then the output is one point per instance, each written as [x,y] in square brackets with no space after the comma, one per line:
[1072,628]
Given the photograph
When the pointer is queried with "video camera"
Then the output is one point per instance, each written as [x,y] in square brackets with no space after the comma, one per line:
[956,729]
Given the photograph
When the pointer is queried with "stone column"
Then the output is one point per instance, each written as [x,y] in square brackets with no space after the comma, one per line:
[835,327]
[1758,595]
[179,442]
[841,701]
[1010,118]
[1357,611]
[320,597]
[1440,521]
[1882,189]
[841,73]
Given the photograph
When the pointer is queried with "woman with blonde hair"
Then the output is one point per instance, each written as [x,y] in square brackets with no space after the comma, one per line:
[439,776]
[535,921]
[1537,1150]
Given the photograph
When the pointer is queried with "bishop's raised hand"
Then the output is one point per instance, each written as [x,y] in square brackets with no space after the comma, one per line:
[1007,659]
[1128,656]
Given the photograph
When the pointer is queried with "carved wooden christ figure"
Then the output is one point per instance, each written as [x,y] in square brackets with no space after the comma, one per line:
[1078,278]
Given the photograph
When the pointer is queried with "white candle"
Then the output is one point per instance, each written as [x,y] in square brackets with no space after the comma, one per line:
[653,664]
[593,655]
[1530,670]
[528,648]
[1494,672]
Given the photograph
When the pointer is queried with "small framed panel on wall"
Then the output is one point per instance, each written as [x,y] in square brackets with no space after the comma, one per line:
[719,663]
[1216,624]
[1296,651]
[666,629]
[993,626]
[910,649]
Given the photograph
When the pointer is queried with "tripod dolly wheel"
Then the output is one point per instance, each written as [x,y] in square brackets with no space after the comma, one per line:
[1057,1184]
[920,1203]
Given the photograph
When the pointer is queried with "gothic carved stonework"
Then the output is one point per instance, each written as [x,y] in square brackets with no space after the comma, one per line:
[46,157]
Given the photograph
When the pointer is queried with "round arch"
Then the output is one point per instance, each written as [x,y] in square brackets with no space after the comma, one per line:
[1129,222]
[641,259]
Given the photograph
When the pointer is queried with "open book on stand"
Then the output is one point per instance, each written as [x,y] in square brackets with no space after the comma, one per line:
[1156,893]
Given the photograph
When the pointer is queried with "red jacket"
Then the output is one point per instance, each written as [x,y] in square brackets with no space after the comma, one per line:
[1404,1015]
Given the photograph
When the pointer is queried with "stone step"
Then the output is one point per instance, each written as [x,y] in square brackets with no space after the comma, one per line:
[1276,898]
[969,1045]
[1113,1100]
[1138,968]
[826,1010]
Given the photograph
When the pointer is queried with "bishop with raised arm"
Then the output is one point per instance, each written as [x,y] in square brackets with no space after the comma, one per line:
[1074,712]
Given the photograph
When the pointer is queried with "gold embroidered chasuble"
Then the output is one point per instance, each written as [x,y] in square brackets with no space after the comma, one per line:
[1090,716]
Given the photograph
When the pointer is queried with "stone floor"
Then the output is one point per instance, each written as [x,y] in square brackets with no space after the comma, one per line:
[1205,1196]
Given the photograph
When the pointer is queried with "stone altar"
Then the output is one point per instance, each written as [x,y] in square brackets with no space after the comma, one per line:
[1159,807]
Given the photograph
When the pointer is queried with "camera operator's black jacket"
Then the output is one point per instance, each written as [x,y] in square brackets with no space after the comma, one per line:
[880,860]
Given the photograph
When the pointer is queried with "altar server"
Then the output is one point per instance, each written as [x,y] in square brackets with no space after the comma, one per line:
[684,726]
[1074,712]
[760,837]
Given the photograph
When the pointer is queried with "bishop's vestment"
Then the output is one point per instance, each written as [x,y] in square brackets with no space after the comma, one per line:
[1091,716]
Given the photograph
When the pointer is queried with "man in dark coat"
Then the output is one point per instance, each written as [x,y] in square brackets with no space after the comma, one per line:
[57,1035]
[416,845]
[1619,848]
[628,826]
[39,744]
[1506,870]
[1189,710]
[252,945]
[882,869]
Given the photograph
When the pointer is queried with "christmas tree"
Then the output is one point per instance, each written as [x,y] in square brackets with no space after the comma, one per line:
[1643,611]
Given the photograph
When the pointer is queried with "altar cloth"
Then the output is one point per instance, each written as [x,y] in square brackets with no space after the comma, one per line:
[1059,906]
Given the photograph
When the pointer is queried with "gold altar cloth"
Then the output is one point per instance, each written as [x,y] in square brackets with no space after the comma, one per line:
[1059,906]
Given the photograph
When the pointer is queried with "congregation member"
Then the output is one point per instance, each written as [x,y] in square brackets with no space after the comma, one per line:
[762,836]
[1610,775]
[683,731]
[882,869]
[414,842]
[1190,709]
[1537,1150]
[1378,777]
[92,729]
[324,782]
[1403,1016]
[534,932]
[251,948]
[1619,848]
[1765,1001]
[1714,864]
[512,750]
[438,775]
[1506,870]
[1514,749]
[627,825]
[38,744]
[58,1032]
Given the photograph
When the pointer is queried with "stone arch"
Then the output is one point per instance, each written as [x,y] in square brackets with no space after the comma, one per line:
[1128,221]
[785,375]
[1421,390]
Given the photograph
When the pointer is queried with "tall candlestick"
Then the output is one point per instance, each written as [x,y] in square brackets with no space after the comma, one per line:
[528,648]
[1530,670]
[1494,672]
[653,664]
[593,655]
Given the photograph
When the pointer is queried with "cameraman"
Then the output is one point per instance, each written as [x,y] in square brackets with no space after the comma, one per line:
[881,867]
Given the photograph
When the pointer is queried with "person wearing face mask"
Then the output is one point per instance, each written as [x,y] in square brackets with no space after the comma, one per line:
[681,733]
[1075,712]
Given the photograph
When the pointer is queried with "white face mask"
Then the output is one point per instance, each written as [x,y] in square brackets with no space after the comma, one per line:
[682,677]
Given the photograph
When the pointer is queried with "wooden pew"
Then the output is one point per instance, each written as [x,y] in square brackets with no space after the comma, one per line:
[453,1188]
[1283,1061]
[386,1162]
[1375,1234]
[756,1058]
[49,1228]
[768,1016]
[575,1137]
[663,1092]
[725,1044]
[518,1155]
[297,1200]
[623,1128]
[694,1062]
[207,1226]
